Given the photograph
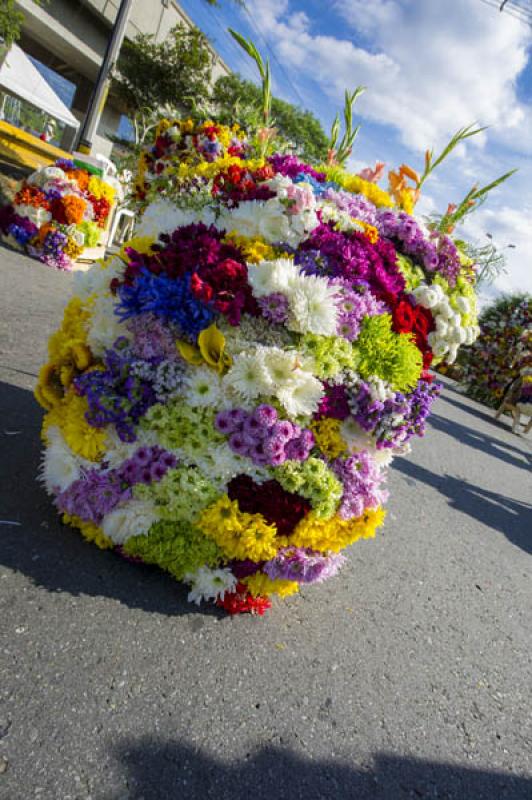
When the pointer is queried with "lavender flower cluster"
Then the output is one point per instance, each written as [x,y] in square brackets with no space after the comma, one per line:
[395,420]
[356,205]
[115,394]
[353,306]
[303,565]
[262,437]
[361,479]
[438,253]
[97,493]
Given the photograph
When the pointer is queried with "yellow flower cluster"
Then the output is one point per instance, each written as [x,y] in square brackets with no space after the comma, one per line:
[238,534]
[370,231]
[89,531]
[260,585]
[335,534]
[210,169]
[100,188]
[357,185]
[254,250]
[72,249]
[327,435]
[68,353]
[69,415]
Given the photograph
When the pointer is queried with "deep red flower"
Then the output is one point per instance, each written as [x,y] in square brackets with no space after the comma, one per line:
[277,506]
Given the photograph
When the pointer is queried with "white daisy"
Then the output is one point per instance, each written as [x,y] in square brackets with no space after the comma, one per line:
[162,216]
[203,387]
[209,584]
[248,376]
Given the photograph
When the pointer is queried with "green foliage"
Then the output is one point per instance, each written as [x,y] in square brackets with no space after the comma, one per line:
[11,21]
[392,357]
[238,100]
[176,71]
[343,150]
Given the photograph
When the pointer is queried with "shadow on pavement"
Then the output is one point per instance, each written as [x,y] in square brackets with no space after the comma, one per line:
[481,441]
[51,554]
[511,517]
[159,771]
[504,423]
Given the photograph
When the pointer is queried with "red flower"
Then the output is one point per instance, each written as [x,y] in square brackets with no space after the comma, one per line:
[423,321]
[242,602]
[403,317]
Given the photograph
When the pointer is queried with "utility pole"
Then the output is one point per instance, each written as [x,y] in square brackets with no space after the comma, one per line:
[89,126]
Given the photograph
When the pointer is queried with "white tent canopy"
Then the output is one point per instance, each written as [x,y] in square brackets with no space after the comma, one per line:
[20,77]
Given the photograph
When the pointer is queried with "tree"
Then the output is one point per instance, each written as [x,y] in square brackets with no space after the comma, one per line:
[11,21]
[238,100]
[175,72]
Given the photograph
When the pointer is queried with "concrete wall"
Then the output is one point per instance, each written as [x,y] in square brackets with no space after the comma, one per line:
[70,36]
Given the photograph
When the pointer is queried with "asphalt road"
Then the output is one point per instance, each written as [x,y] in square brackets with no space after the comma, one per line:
[408,676]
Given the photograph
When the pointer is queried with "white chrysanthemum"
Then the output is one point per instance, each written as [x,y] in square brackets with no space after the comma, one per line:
[281,365]
[269,277]
[203,388]
[429,296]
[39,216]
[97,279]
[162,216]
[437,345]
[273,222]
[302,224]
[60,467]
[104,326]
[132,519]
[301,397]
[379,389]
[313,306]
[248,376]
[279,184]
[209,584]
[243,220]
[358,439]
[42,176]
[463,304]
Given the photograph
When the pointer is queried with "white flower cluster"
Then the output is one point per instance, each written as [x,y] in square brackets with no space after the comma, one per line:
[209,584]
[450,331]
[311,299]
[270,371]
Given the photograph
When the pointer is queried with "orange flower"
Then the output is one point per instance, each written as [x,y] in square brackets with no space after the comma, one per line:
[81,176]
[74,208]
[44,230]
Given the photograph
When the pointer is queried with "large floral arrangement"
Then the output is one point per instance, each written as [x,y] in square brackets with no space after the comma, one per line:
[56,213]
[489,366]
[225,396]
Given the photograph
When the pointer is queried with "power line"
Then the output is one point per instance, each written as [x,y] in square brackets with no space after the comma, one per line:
[520,9]
[287,77]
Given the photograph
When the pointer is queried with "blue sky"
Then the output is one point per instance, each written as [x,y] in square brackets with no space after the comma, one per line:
[430,67]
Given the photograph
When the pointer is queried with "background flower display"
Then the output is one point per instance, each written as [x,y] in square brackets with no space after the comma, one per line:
[56,213]
[225,396]
[489,365]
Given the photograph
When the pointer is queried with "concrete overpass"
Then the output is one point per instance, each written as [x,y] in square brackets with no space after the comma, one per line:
[70,36]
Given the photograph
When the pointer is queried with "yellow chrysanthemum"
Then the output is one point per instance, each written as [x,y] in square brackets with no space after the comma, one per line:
[357,185]
[335,534]
[73,331]
[238,534]
[263,586]
[142,244]
[254,250]
[83,439]
[89,531]
[327,435]
[100,188]
[371,231]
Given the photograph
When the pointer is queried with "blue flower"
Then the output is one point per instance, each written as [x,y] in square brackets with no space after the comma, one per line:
[169,298]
